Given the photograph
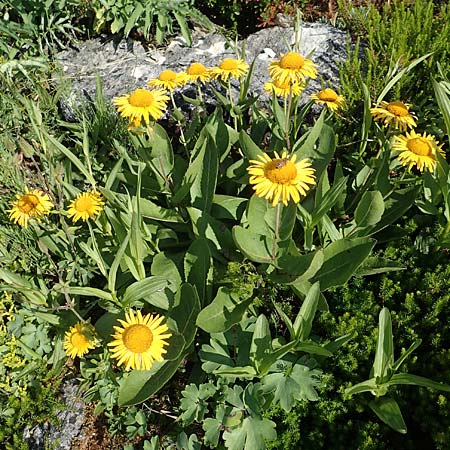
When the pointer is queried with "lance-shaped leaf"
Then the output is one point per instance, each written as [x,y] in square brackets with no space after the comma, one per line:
[416,380]
[198,268]
[256,247]
[303,322]
[384,355]
[389,412]
[223,312]
[153,290]
[369,211]
[249,148]
[341,259]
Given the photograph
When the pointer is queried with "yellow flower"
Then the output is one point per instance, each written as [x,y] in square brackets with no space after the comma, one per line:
[86,206]
[79,340]
[418,150]
[142,104]
[229,67]
[168,80]
[396,113]
[281,177]
[294,67]
[30,205]
[139,341]
[330,98]
[283,89]
[197,72]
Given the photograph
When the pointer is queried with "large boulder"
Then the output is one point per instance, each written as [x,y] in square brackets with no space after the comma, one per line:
[126,65]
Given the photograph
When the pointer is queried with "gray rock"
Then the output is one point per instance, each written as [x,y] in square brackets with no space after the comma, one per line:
[126,65]
[59,436]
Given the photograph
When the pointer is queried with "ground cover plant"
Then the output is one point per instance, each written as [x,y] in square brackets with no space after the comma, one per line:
[213,273]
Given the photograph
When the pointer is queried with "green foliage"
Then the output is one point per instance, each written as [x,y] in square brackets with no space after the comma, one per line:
[148,18]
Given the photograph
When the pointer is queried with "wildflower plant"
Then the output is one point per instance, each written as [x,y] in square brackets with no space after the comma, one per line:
[184,238]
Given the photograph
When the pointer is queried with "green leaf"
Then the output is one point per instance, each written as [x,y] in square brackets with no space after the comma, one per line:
[374,265]
[133,18]
[225,310]
[261,343]
[215,356]
[155,212]
[443,101]
[397,77]
[139,385]
[193,402]
[165,267]
[406,378]
[228,207]
[303,322]
[395,207]
[296,382]
[322,154]
[185,312]
[153,290]
[405,355]
[303,147]
[384,354]
[251,434]
[249,148]
[341,259]
[287,221]
[238,371]
[389,412]
[201,175]
[370,209]
[300,268]
[254,246]
[215,232]
[198,268]
[365,386]
[88,292]
[181,19]
[116,264]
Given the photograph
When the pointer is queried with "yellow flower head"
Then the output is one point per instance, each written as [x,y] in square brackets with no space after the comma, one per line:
[293,67]
[86,206]
[197,72]
[229,67]
[283,89]
[281,177]
[142,104]
[139,341]
[79,340]
[30,205]
[418,150]
[330,98]
[396,113]
[168,80]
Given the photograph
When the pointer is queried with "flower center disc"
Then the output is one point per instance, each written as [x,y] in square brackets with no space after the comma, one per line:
[27,203]
[280,171]
[140,97]
[78,340]
[419,146]
[398,109]
[228,64]
[328,95]
[83,204]
[196,69]
[138,338]
[292,61]
[167,75]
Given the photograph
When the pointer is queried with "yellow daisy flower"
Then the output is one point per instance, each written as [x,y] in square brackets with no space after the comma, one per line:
[395,112]
[168,80]
[86,206]
[281,177]
[197,72]
[330,98]
[294,67]
[142,104]
[229,67]
[283,89]
[30,205]
[139,341]
[79,340]
[418,150]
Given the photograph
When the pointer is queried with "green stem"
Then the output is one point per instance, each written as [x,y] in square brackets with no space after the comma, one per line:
[230,95]
[277,230]
[182,137]
[288,120]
